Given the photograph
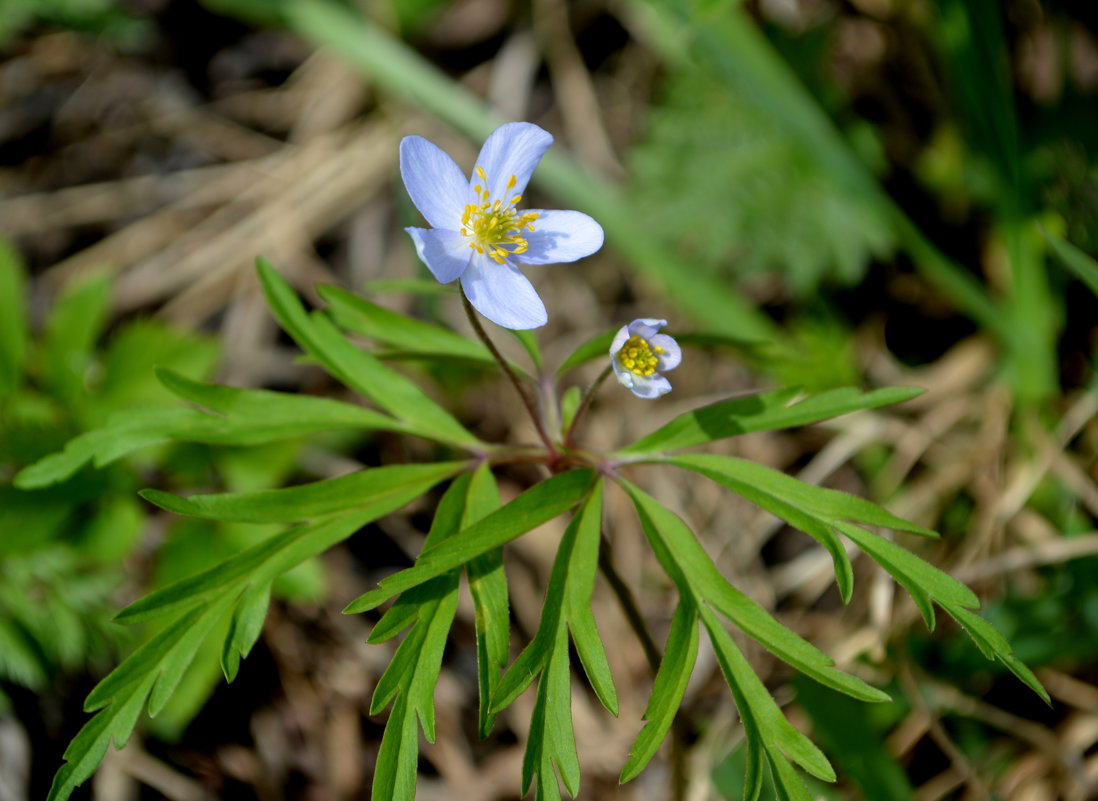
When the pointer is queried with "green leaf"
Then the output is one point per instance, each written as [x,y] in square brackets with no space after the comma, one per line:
[822,502]
[679,655]
[399,331]
[537,505]
[594,348]
[245,628]
[813,510]
[395,773]
[924,582]
[491,605]
[698,577]
[252,417]
[132,353]
[762,719]
[571,582]
[414,670]
[764,412]
[13,318]
[551,739]
[529,343]
[994,646]
[306,501]
[273,415]
[154,668]
[265,560]
[358,369]
[414,285]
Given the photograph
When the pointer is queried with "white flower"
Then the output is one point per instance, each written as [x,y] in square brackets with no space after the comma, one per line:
[639,356]
[478,234]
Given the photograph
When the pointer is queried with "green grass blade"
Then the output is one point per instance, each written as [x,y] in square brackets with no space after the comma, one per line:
[1083,266]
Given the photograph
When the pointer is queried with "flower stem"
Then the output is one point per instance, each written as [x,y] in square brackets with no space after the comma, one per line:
[554,454]
[584,403]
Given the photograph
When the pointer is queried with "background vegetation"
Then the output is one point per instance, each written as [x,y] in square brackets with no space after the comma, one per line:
[875,192]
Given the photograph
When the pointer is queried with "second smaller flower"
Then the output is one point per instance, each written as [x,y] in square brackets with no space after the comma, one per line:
[640,354]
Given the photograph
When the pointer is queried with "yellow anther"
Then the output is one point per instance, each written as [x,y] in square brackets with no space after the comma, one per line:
[637,356]
[494,226]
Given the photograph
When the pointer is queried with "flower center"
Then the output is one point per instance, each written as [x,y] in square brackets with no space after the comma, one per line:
[638,357]
[495,227]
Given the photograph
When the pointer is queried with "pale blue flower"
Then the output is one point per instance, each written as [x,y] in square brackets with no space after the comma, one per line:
[477,233]
[640,354]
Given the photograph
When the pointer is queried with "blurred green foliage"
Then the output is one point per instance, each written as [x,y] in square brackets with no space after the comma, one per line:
[66,557]
[756,202]
[110,18]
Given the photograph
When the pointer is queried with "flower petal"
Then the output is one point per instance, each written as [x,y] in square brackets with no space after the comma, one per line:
[646,327]
[514,148]
[434,182]
[620,339]
[503,294]
[560,236]
[672,353]
[651,386]
[446,253]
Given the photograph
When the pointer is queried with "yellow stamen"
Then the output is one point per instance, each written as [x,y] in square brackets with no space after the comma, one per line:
[496,228]
[637,356]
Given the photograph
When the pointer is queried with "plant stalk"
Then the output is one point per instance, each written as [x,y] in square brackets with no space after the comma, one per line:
[554,454]
[589,393]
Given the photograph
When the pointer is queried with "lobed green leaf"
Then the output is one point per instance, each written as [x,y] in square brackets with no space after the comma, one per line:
[679,655]
[306,501]
[821,502]
[359,315]
[923,581]
[491,604]
[537,505]
[767,729]
[699,578]
[245,627]
[272,557]
[154,668]
[763,412]
[414,670]
[358,369]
